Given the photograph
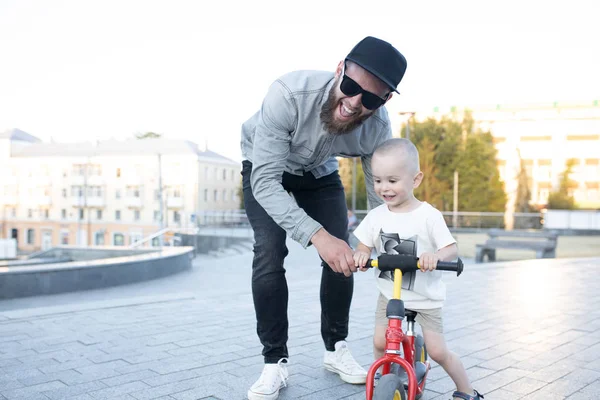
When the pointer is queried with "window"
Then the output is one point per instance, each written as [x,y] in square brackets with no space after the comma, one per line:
[64,193]
[30,236]
[63,214]
[81,213]
[224,174]
[118,239]
[98,215]
[13,212]
[118,194]
[224,195]
[133,191]
[232,195]
[118,172]
[136,215]
[156,194]
[156,216]
[215,195]
[205,194]
[155,242]
[177,191]
[99,238]
[135,237]
[29,213]
[76,191]
[232,174]
[176,216]
[95,191]
[118,215]
[47,214]
[64,237]
[206,173]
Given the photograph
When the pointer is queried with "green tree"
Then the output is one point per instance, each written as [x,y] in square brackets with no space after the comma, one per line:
[560,199]
[432,188]
[446,146]
[480,188]
[148,135]
[361,189]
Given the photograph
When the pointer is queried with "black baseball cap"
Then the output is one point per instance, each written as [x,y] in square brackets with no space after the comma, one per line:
[381,59]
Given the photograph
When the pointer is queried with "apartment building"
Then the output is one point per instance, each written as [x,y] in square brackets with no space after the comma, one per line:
[112,192]
[545,136]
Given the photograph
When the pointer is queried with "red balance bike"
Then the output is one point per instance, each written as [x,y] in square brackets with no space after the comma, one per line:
[406,369]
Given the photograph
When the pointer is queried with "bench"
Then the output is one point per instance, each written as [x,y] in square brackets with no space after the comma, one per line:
[543,243]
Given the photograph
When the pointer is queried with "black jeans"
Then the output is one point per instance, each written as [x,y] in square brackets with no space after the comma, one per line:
[323,200]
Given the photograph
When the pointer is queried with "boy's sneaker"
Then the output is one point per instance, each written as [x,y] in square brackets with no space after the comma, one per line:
[342,363]
[273,378]
[465,396]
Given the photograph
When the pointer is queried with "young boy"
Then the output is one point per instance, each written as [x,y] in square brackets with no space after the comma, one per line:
[405,225]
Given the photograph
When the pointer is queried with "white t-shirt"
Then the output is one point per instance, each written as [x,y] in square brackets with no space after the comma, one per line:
[415,232]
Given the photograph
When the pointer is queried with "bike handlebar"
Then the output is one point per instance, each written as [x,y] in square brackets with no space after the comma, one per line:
[405,263]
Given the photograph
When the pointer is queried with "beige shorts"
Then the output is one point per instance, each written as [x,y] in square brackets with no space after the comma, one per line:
[429,319]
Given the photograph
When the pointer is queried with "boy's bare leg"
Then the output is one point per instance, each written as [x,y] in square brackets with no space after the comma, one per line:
[379,341]
[438,351]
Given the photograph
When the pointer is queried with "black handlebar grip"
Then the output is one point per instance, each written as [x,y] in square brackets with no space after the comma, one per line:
[451,266]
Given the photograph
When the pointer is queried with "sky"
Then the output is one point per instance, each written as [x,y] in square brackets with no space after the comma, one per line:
[86,70]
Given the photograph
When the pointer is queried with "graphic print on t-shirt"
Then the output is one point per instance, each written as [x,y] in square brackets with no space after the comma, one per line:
[391,243]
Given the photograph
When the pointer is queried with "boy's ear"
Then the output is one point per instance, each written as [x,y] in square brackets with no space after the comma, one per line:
[417,180]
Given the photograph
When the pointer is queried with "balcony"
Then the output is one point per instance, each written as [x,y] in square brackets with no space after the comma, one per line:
[175,202]
[92,201]
[133,202]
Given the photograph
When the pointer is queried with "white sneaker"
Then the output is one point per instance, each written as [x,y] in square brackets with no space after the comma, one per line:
[273,378]
[342,363]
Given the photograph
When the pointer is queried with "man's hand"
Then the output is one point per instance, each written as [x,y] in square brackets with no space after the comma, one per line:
[335,252]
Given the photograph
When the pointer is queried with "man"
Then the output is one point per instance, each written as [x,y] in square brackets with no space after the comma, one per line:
[289,147]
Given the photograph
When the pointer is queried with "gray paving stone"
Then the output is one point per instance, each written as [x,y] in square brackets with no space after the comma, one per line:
[120,390]
[525,386]
[33,391]
[205,346]
[74,390]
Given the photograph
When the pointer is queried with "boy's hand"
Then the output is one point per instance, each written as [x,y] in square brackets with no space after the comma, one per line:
[428,261]
[360,259]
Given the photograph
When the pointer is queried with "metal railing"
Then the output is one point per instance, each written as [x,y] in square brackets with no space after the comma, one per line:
[459,220]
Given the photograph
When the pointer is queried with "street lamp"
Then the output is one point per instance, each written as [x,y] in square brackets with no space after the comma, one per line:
[410,115]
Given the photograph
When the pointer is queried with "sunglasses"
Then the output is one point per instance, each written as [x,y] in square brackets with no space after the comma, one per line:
[369,100]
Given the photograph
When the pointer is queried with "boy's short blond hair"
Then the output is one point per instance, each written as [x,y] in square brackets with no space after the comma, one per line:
[403,148]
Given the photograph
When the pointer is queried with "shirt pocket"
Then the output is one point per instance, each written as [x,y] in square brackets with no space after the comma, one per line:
[298,149]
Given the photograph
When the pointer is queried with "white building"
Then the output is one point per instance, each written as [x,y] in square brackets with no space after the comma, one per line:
[107,193]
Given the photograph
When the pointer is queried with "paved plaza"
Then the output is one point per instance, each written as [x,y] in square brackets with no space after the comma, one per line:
[524,330]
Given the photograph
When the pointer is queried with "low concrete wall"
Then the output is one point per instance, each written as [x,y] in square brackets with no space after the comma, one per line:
[203,243]
[84,275]
[83,253]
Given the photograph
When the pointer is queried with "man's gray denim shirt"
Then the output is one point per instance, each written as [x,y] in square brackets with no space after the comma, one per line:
[286,135]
